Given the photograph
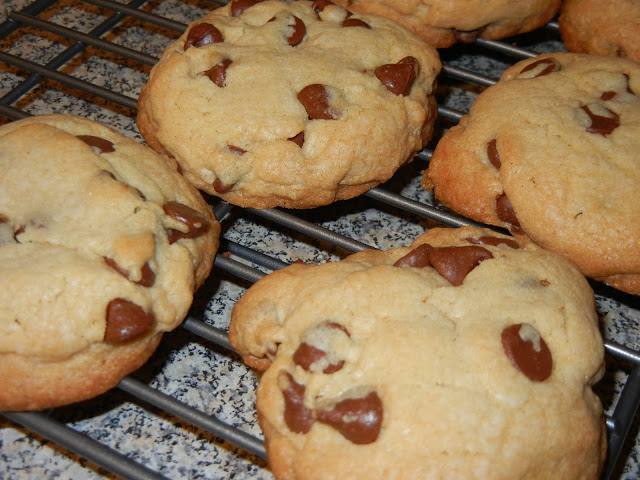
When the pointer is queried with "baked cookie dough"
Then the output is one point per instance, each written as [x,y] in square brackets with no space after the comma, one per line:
[601,28]
[443,23]
[292,104]
[551,152]
[464,355]
[102,244]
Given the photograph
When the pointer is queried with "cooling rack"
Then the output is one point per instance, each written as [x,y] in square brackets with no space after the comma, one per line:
[189,413]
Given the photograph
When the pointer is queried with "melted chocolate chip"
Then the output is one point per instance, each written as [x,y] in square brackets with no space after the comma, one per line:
[236,150]
[125,321]
[218,73]
[455,263]
[495,241]
[314,348]
[418,257]
[147,279]
[105,146]
[299,31]
[527,351]
[315,100]
[506,213]
[606,96]
[21,229]
[239,6]
[602,124]
[545,67]
[492,153]
[298,418]
[398,77]
[220,187]
[196,222]
[452,263]
[306,355]
[298,139]
[354,22]
[357,419]
[203,34]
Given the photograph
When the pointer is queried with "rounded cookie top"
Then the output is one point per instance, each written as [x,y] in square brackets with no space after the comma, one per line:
[293,104]
[102,244]
[461,356]
[601,28]
[444,23]
[550,152]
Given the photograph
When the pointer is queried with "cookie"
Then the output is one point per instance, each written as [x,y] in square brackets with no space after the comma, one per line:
[601,28]
[102,244]
[550,152]
[445,23]
[461,356]
[292,104]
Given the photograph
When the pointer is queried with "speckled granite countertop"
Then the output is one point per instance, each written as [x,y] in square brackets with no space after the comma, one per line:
[187,367]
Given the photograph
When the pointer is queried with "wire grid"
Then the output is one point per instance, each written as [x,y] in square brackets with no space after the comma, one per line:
[91,58]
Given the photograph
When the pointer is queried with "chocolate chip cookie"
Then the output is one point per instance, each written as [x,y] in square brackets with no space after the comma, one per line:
[444,23]
[102,244]
[464,355]
[292,104]
[601,28]
[550,152]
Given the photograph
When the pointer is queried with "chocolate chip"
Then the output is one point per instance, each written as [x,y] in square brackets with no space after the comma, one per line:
[527,351]
[315,100]
[317,348]
[542,67]
[298,139]
[299,31]
[505,212]
[218,73]
[298,418]
[125,321]
[220,187]
[603,122]
[203,34]
[239,6]
[357,419]
[147,279]
[455,263]
[306,355]
[105,146]
[452,263]
[196,222]
[495,241]
[628,85]
[236,150]
[607,95]
[418,257]
[492,153]
[21,229]
[398,77]
[467,36]
[354,22]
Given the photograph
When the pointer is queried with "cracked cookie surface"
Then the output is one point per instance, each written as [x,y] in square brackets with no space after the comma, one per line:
[550,152]
[292,104]
[464,355]
[102,245]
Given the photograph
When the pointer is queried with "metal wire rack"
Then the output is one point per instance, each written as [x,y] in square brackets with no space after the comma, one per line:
[91,58]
